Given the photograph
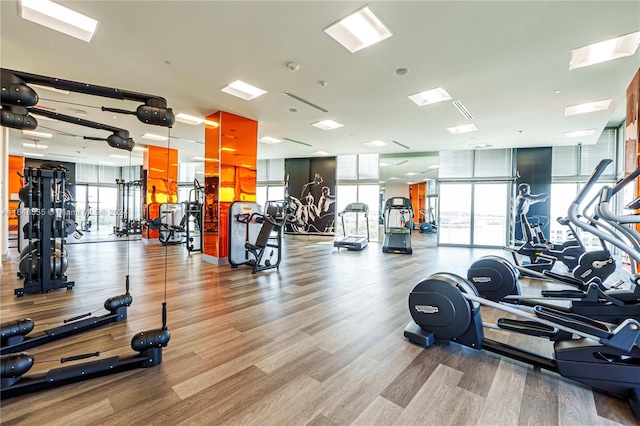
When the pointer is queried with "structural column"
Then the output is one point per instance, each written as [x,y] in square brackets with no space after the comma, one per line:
[159,183]
[231,145]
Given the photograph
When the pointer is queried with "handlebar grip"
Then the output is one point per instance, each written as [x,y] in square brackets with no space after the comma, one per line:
[599,170]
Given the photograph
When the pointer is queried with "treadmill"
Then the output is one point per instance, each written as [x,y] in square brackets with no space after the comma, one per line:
[397,239]
[353,242]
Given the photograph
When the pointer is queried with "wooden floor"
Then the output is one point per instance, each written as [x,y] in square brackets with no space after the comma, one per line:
[318,342]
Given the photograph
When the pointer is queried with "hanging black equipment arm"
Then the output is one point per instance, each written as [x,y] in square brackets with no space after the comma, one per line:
[154,111]
[119,139]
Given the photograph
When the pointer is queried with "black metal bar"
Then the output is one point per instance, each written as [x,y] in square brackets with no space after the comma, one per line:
[518,354]
[89,89]
[60,332]
[79,121]
[72,374]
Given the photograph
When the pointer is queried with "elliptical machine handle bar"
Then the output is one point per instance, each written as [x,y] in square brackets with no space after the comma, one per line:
[625,181]
[600,168]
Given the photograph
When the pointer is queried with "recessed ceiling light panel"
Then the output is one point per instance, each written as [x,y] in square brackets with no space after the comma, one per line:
[606,50]
[375,143]
[327,124]
[154,137]
[243,90]
[35,145]
[430,96]
[587,107]
[35,134]
[269,140]
[320,153]
[462,129]
[59,18]
[189,119]
[32,154]
[579,133]
[359,30]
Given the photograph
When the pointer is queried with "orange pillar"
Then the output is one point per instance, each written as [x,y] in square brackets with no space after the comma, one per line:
[160,183]
[231,149]
[417,196]
[16,165]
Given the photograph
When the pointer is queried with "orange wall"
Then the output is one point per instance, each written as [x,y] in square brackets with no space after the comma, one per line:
[16,165]
[417,194]
[231,150]
[161,186]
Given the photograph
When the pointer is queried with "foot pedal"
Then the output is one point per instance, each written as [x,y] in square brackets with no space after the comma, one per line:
[417,335]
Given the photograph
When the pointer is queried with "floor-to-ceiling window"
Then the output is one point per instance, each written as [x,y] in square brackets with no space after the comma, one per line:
[490,207]
[474,197]
[454,226]
[270,181]
[571,168]
[357,177]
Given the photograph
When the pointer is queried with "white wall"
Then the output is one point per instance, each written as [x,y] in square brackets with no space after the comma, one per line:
[396,190]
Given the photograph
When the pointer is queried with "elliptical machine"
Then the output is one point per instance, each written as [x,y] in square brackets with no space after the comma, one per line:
[593,266]
[446,308]
[496,279]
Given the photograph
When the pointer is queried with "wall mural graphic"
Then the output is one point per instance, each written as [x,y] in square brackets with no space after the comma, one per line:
[533,187]
[310,185]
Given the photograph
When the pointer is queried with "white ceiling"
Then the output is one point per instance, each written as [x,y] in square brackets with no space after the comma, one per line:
[503,60]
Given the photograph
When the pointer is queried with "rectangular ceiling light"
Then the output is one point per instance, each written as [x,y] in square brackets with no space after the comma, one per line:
[32,154]
[110,163]
[243,90]
[375,143]
[153,137]
[189,119]
[587,107]
[51,89]
[579,133]
[321,153]
[211,123]
[359,30]
[269,140]
[603,51]
[59,18]
[430,96]
[139,148]
[327,124]
[118,156]
[37,134]
[462,129]
[35,145]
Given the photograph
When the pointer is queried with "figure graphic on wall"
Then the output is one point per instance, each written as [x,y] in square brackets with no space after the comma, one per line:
[305,209]
[524,201]
[326,199]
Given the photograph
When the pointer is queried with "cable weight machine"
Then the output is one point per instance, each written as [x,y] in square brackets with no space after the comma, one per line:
[44,263]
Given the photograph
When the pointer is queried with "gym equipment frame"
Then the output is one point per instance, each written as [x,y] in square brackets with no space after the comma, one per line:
[148,344]
[15,334]
[446,307]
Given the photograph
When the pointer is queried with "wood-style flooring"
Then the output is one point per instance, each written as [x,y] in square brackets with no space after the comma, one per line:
[317,342]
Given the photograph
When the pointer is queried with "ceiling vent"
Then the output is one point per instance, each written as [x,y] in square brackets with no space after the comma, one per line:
[295,141]
[463,110]
[399,144]
[304,101]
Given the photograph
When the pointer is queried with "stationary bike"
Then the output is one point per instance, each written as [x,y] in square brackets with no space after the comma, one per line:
[446,307]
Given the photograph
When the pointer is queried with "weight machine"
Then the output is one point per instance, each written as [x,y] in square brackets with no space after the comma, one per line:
[43,261]
[128,208]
